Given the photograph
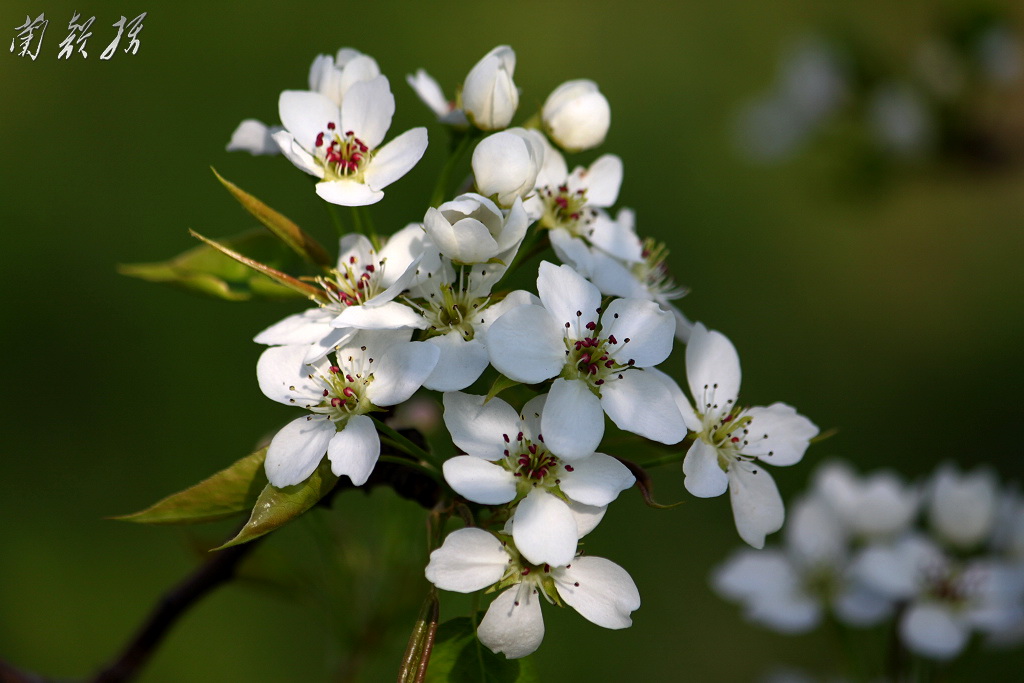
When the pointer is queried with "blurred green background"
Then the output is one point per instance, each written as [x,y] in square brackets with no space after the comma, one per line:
[893,315]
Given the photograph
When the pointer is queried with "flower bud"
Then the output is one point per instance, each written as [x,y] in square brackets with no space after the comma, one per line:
[505,164]
[576,115]
[472,229]
[489,97]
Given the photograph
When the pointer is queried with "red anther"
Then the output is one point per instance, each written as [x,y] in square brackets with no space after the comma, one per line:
[349,134]
[631,362]
[371,268]
[599,382]
[350,378]
[348,392]
[563,188]
[562,202]
[547,568]
[519,437]
[609,363]
[727,418]
[569,468]
[319,139]
[526,570]
[505,436]
[581,192]
[335,402]
[612,339]
[524,460]
[359,285]
[585,358]
[540,437]
[352,259]
[591,325]
[532,448]
[574,216]
[735,439]
[506,451]
[592,370]
[578,344]
[331,126]
[326,393]
[335,369]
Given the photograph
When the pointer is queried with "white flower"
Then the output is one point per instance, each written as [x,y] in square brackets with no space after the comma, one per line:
[731,438]
[375,369]
[330,76]
[597,357]
[341,146]
[571,201]
[431,94]
[456,309]
[962,508]
[875,506]
[786,589]
[471,559]
[576,115]
[489,97]
[472,229]
[947,598]
[505,164]
[362,277]
[508,460]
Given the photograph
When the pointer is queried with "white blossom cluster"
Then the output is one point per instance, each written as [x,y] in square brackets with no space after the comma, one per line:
[944,558]
[428,307]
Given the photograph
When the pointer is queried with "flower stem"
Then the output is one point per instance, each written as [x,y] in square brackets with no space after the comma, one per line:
[405,462]
[459,146]
[339,227]
[675,456]
[407,445]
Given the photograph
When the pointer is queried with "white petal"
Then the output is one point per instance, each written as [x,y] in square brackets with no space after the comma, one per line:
[512,300]
[284,377]
[480,481]
[526,344]
[643,332]
[529,417]
[302,328]
[778,434]
[305,114]
[642,404]
[572,422]
[574,252]
[756,504]
[297,449]
[333,340]
[704,477]
[963,506]
[615,238]
[390,315]
[690,418]
[565,293]
[747,574]
[400,371]
[932,630]
[793,612]
[596,480]
[296,154]
[600,590]
[602,180]
[712,369]
[428,90]
[395,159]
[348,193]
[354,450]
[254,137]
[459,364]
[545,530]
[367,110]
[480,429]
[587,516]
[469,560]
[513,624]
[859,606]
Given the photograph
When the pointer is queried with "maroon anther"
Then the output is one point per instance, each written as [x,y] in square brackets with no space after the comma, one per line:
[585,358]
[371,268]
[331,125]
[505,436]
[335,369]
[335,402]
[599,382]
[735,439]
[612,339]
[526,570]
[562,202]
[320,139]
[519,437]
[532,448]
[609,363]
[350,378]
[326,393]
[591,325]
[348,392]
[569,468]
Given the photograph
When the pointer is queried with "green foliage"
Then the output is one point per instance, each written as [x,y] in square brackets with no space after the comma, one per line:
[232,490]
[501,383]
[207,270]
[288,232]
[276,507]
[460,657]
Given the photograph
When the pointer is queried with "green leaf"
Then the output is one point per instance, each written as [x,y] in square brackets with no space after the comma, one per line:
[207,270]
[277,276]
[288,232]
[460,657]
[500,384]
[276,507]
[228,492]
